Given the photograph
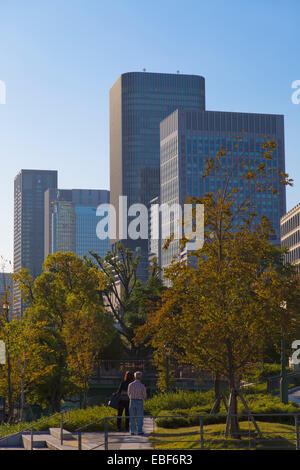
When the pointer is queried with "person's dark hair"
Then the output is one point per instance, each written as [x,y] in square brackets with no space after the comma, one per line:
[128,376]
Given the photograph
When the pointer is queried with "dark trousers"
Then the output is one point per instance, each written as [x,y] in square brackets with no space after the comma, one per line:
[123,405]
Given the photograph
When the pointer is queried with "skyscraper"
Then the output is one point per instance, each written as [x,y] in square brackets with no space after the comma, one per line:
[63,227]
[71,221]
[188,137]
[29,188]
[138,102]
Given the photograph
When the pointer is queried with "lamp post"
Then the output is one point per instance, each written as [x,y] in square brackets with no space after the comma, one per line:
[167,353]
[284,393]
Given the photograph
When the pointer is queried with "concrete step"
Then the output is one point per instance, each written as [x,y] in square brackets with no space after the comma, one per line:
[12,448]
[39,441]
[54,444]
[48,441]
[55,432]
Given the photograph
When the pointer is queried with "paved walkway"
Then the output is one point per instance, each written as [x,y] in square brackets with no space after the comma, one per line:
[294,395]
[89,440]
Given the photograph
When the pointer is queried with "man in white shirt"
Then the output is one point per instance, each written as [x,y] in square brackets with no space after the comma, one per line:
[137,394]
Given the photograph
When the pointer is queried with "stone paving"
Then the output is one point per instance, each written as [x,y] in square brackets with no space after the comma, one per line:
[119,440]
[89,440]
[294,395]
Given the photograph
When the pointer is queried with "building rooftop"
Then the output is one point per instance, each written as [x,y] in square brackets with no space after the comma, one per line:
[290,213]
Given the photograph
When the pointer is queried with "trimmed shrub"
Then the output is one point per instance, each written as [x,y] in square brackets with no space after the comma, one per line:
[180,399]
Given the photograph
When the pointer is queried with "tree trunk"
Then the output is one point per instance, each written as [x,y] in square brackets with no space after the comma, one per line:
[232,422]
[22,398]
[55,400]
[217,403]
[84,403]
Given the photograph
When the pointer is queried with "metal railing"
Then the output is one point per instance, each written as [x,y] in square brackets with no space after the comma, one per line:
[208,437]
[61,425]
[32,427]
[273,382]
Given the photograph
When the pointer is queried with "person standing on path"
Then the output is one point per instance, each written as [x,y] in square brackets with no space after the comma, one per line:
[137,394]
[124,400]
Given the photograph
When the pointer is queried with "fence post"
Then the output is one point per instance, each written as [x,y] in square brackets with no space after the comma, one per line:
[79,441]
[297,433]
[31,438]
[105,434]
[201,433]
[61,428]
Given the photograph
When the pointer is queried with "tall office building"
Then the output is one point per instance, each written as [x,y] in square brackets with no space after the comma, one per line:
[71,221]
[290,235]
[188,137]
[52,197]
[63,227]
[6,292]
[29,188]
[138,102]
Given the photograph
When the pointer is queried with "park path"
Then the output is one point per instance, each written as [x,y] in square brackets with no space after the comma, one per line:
[294,395]
[90,440]
[119,440]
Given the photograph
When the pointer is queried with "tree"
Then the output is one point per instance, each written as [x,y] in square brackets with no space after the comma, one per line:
[6,370]
[65,298]
[26,355]
[225,305]
[124,296]
[87,332]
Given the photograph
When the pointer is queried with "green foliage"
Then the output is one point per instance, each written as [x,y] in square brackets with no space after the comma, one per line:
[175,400]
[65,300]
[126,297]
[187,404]
[80,417]
[267,370]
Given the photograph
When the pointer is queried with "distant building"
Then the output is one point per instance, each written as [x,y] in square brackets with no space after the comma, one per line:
[63,227]
[71,221]
[86,239]
[188,137]
[29,188]
[138,102]
[290,235]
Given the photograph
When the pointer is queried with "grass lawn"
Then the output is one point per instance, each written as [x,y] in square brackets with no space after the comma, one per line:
[275,436]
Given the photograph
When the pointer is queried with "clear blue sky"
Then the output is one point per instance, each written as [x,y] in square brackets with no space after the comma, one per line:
[59,58]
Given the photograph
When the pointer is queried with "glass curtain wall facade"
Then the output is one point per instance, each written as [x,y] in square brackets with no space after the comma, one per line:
[63,227]
[71,221]
[188,138]
[138,102]
[86,239]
